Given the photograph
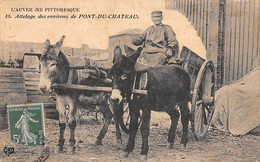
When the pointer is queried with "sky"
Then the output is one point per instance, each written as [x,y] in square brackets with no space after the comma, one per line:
[94,32]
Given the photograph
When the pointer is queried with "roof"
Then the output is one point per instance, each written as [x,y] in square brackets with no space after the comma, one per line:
[128,32]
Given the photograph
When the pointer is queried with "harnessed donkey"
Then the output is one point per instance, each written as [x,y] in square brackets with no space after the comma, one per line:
[55,69]
[167,86]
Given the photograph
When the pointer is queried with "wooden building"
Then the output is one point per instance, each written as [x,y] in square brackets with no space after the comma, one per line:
[121,39]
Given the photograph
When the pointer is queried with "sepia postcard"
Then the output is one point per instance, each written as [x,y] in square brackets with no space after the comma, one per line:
[132,80]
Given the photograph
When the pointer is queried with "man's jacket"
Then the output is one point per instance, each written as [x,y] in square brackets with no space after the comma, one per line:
[157,39]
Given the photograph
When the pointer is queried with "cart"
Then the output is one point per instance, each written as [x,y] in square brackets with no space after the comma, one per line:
[202,76]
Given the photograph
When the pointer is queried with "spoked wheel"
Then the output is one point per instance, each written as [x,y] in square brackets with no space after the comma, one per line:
[203,100]
[126,118]
[80,113]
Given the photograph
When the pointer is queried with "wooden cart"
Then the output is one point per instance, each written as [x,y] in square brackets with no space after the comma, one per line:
[202,76]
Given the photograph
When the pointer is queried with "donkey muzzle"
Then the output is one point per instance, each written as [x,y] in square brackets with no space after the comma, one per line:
[116,96]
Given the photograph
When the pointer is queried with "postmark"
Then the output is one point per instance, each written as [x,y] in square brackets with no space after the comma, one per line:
[26,124]
[8,150]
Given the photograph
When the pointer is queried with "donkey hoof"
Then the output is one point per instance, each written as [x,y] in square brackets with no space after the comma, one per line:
[71,150]
[98,143]
[58,150]
[143,157]
[183,147]
[125,154]
[119,141]
[170,145]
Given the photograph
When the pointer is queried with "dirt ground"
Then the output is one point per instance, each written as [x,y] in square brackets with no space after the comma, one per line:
[217,146]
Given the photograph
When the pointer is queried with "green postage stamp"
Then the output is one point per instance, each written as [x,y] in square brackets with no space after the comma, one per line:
[26,124]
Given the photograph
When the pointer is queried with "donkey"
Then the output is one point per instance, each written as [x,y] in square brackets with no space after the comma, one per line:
[55,69]
[167,86]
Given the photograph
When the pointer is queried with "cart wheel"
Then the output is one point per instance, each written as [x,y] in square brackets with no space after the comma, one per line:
[203,100]
[80,113]
[126,119]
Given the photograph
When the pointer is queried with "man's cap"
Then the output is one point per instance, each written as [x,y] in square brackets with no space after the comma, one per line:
[156,13]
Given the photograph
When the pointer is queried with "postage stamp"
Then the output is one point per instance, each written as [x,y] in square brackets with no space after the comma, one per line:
[26,124]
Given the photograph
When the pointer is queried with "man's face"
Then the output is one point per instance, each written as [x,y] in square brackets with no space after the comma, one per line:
[157,19]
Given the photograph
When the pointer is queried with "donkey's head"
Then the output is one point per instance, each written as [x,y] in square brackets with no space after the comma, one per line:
[54,66]
[123,74]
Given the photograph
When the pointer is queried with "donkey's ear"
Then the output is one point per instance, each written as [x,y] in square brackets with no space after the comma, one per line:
[128,50]
[136,54]
[60,42]
[47,43]
[117,53]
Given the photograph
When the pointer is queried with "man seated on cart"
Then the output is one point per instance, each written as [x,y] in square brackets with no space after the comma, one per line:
[159,43]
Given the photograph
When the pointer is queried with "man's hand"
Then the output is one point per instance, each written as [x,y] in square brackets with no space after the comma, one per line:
[168,52]
[137,41]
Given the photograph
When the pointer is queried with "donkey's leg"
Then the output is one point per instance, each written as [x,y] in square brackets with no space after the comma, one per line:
[134,115]
[118,134]
[174,115]
[185,115]
[72,124]
[107,114]
[60,106]
[118,113]
[145,131]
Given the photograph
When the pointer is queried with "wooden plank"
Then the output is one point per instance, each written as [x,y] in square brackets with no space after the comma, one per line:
[193,13]
[237,38]
[199,17]
[31,88]
[187,8]
[38,92]
[181,6]
[255,54]
[232,43]
[258,41]
[246,37]
[227,43]
[12,86]
[20,90]
[241,39]
[251,35]
[175,4]
[184,7]
[206,23]
[11,80]
[190,9]
[31,84]
[80,63]
[167,4]
[196,15]
[32,80]
[31,70]
[89,88]
[202,19]
[31,75]
[212,49]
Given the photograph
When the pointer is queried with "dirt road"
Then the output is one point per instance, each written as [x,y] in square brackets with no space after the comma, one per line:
[216,146]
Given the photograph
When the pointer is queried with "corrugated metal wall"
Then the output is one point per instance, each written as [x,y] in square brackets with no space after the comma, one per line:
[197,11]
[229,29]
[241,35]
